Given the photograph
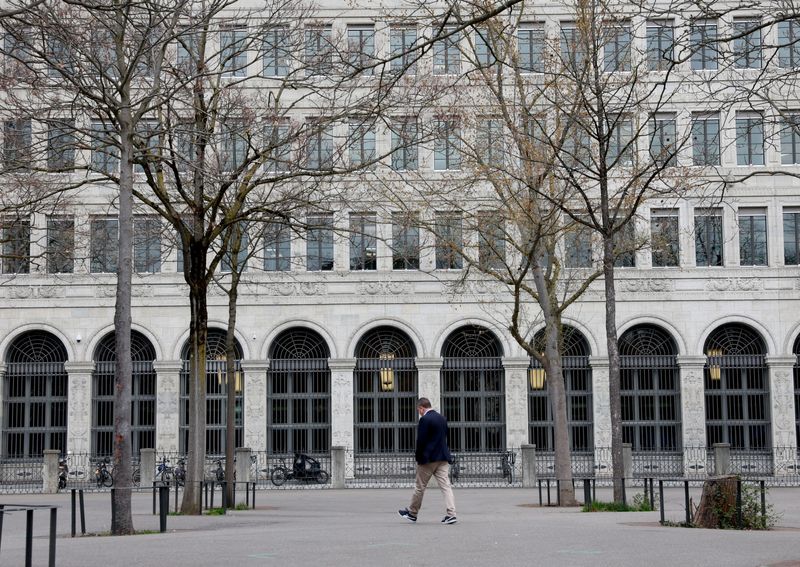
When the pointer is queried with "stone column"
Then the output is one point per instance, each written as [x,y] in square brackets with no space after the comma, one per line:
[242,483]
[147,467]
[693,414]
[50,472]
[784,437]
[722,458]
[342,403]
[79,412]
[601,412]
[168,390]
[529,466]
[255,404]
[429,380]
[338,466]
[516,373]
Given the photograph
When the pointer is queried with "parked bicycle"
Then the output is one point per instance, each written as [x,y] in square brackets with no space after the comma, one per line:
[507,465]
[63,473]
[102,475]
[164,471]
[304,469]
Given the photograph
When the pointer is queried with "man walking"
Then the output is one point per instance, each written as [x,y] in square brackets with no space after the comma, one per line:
[433,459]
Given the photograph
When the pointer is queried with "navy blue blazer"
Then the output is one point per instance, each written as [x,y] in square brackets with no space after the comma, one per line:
[432,439]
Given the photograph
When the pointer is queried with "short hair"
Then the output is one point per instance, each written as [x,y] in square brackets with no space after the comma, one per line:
[423,403]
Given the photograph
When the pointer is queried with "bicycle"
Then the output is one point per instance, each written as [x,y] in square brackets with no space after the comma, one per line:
[102,475]
[507,465]
[164,471]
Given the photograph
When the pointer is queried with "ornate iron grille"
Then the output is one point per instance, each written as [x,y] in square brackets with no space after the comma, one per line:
[473,391]
[578,383]
[216,395]
[35,396]
[143,395]
[650,390]
[385,396]
[737,389]
[299,394]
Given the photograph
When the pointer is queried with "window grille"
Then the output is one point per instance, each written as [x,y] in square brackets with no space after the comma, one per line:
[299,394]
[385,396]
[473,390]
[34,396]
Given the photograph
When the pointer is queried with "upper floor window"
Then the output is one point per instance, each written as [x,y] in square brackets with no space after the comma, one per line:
[491,241]
[276,51]
[148,144]
[17,47]
[104,244]
[279,146]
[789,44]
[187,51]
[239,241]
[664,238]
[573,51]
[61,145]
[449,241]
[705,139]
[790,140]
[791,236]
[625,245]
[530,42]
[660,45]
[60,245]
[490,142]
[405,242]
[446,56]
[16,234]
[319,51]
[484,50]
[402,40]
[405,151]
[620,150]
[703,44]
[447,145]
[617,48]
[752,237]
[578,246]
[105,152]
[708,241]
[146,245]
[749,140]
[233,53]
[363,251]
[747,44]
[319,145]
[361,143]
[663,147]
[17,142]
[319,243]
[234,144]
[277,247]
[60,57]
[361,48]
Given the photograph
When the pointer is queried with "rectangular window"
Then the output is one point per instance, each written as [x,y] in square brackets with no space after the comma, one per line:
[578,246]
[576,150]
[239,232]
[61,145]
[789,44]
[705,140]
[319,243]
[660,45]
[490,142]
[105,153]
[361,48]
[664,242]
[790,140]
[484,54]
[146,245]
[663,148]
[747,46]
[573,53]
[619,144]
[447,145]
[234,145]
[405,242]
[530,42]
[187,50]
[361,143]
[60,58]
[491,241]
[363,251]
[749,140]
[449,241]
[60,245]
[148,143]
[703,45]
[405,151]
[104,244]
[753,237]
[16,246]
[233,50]
[319,146]
[17,43]
[279,146]
[625,245]
[319,51]
[708,237]
[276,51]
[791,237]
[184,146]
[17,150]
[446,56]
[402,39]
[617,49]
[277,247]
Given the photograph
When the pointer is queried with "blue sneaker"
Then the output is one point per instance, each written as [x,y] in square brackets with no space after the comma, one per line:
[407,515]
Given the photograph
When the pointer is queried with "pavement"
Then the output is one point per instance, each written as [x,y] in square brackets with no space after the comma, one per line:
[361,527]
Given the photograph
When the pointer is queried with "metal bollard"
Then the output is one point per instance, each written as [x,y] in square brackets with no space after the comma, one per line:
[739,503]
[558,492]
[624,495]
[661,499]
[154,498]
[540,492]
[548,492]
[29,538]
[763,504]
[176,495]
[72,515]
[2,513]
[163,507]
[83,512]
[687,503]
[254,496]
[52,556]
[587,493]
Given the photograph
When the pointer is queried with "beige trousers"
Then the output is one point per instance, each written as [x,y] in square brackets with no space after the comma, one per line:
[441,470]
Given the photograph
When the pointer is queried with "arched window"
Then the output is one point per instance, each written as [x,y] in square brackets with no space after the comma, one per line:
[299,394]
[797,388]
[578,382]
[650,389]
[385,395]
[473,390]
[216,394]
[143,395]
[35,396]
[737,389]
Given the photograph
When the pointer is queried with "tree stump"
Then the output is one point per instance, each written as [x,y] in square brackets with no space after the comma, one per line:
[717,507]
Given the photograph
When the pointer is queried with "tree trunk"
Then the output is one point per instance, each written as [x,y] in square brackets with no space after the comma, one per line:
[231,373]
[718,503]
[122,518]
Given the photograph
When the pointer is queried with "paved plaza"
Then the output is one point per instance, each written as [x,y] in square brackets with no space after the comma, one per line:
[361,528]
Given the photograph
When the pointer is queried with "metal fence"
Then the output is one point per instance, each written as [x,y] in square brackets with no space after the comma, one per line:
[22,476]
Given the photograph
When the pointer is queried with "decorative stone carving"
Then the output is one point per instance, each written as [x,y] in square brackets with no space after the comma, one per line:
[142,291]
[734,284]
[647,285]
[105,291]
[297,288]
[384,287]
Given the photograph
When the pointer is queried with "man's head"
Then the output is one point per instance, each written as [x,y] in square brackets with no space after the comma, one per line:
[423,405]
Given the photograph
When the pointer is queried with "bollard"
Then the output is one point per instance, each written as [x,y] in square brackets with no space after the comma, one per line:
[688,505]
[72,517]
[661,499]
[548,492]
[594,490]
[624,495]
[739,503]
[213,485]
[254,496]
[763,504]
[83,512]
[540,492]
[224,495]
[154,498]
[200,496]
[52,557]
[652,496]
[528,466]
[558,492]
[176,495]
[29,538]
[587,493]
[163,507]
[2,507]
[113,504]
